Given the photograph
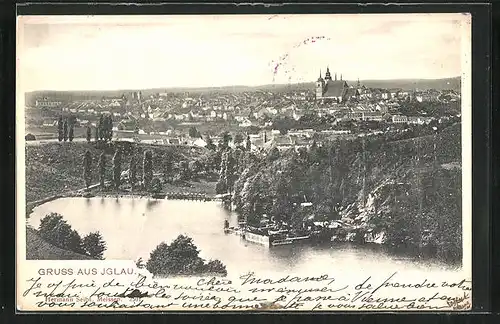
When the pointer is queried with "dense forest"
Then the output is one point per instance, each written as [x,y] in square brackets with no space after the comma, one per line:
[409,188]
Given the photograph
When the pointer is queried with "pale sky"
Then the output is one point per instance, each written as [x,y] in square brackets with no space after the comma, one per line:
[137,52]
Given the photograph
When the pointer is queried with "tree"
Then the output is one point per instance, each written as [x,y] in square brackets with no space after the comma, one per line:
[215,267]
[108,128]
[181,257]
[55,230]
[65,130]
[97,134]
[89,134]
[100,127]
[133,171]
[71,131]
[147,167]
[210,144]
[221,185]
[248,144]
[226,138]
[94,245]
[195,167]
[117,168]
[87,168]
[194,133]
[156,185]
[273,155]
[102,170]
[238,139]
[184,170]
[60,130]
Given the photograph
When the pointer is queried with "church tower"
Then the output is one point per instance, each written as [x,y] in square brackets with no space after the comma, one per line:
[320,85]
[327,75]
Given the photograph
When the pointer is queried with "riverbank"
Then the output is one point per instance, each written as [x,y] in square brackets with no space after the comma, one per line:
[36,247]
[55,170]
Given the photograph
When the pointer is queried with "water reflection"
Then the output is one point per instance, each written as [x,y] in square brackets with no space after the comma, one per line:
[133,228]
[151,203]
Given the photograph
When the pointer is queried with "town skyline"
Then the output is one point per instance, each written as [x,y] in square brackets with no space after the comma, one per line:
[269,86]
[94,53]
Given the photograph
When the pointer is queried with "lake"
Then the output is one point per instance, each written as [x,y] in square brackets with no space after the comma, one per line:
[133,227]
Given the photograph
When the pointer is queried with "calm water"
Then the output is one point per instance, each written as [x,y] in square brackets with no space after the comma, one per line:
[133,227]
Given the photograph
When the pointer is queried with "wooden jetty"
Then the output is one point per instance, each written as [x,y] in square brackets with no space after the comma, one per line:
[189,196]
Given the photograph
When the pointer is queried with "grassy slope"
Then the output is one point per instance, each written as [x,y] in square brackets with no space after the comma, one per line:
[55,167]
[38,249]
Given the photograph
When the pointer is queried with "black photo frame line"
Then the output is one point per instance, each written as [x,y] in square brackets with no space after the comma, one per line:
[481,128]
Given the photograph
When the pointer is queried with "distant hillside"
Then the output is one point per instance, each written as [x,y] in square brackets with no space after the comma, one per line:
[438,84]
[406,84]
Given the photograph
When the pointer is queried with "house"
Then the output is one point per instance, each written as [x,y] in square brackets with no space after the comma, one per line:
[354,115]
[335,132]
[179,116]
[372,116]
[172,141]
[49,123]
[199,142]
[399,119]
[419,120]
[297,114]
[47,103]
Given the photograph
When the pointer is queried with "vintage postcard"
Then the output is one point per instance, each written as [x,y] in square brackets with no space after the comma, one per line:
[244,163]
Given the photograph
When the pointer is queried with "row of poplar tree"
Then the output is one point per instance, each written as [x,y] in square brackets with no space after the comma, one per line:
[103,130]
[147,168]
[66,129]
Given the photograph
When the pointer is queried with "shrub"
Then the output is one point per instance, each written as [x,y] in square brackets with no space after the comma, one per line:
[94,245]
[156,185]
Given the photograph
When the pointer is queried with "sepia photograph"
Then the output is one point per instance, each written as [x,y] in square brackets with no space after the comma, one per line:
[244,162]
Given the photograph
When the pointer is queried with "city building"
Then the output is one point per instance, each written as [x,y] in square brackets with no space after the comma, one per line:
[399,119]
[47,103]
[332,90]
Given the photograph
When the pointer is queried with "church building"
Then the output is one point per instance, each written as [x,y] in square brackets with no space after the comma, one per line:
[333,90]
